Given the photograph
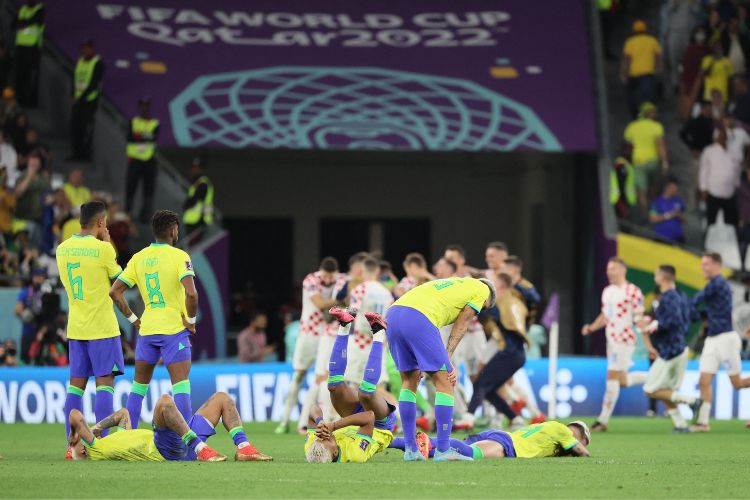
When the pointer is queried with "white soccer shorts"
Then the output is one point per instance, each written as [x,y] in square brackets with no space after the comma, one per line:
[619,356]
[666,373]
[323,357]
[722,350]
[305,351]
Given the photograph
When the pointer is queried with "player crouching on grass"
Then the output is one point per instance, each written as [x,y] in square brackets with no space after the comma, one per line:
[368,419]
[172,439]
[548,439]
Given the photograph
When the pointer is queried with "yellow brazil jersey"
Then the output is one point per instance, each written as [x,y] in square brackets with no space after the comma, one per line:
[87,266]
[543,440]
[132,445]
[441,301]
[158,270]
[355,447]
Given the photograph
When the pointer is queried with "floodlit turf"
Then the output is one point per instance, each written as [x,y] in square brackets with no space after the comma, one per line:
[636,458]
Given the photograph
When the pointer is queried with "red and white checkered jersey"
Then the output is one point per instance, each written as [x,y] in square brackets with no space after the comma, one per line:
[622,306]
[312,321]
[406,284]
[369,296]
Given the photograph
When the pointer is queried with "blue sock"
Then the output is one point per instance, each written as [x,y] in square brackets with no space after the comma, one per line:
[460,446]
[73,401]
[181,392]
[443,420]
[135,402]
[238,436]
[464,449]
[105,404]
[397,443]
[337,363]
[373,368]
[407,405]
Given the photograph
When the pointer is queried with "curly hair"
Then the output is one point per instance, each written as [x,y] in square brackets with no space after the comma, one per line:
[162,222]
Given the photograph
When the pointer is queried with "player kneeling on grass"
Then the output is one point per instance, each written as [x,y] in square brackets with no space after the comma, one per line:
[548,439]
[172,439]
[368,419]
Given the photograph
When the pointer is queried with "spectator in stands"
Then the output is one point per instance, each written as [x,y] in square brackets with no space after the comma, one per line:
[199,205]
[29,34]
[8,106]
[649,150]
[291,334]
[641,62]
[8,353]
[718,181]
[739,107]
[738,142]
[31,186]
[716,69]
[698,132]
[606,10]
[8,159]
[690,78]
[622,191]
[251,342]
[32,143]
[48,347]
[743,198]
[682,16]
[7,205]
[28,306]
[736,45]
[61,213]
[15,130]
[714,26]
[667,213]
[142,165]
[87,84]
[77,193]
[121,229]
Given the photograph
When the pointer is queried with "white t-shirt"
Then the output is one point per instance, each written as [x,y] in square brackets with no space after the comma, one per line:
[370,296]
[622,306]
[737,142]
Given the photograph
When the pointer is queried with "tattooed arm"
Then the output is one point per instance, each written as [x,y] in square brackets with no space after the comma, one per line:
[120,418]
[117,294]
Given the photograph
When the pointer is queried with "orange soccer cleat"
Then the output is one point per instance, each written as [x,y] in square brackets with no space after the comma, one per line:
[209,455]
[518,405]
[250,454]
[423,444]
[539,419]
[69,454]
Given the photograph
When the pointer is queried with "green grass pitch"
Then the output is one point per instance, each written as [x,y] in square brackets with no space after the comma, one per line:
[636,458]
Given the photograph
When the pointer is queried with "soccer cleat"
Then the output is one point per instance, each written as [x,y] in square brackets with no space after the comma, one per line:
[424,444]
[343,316]
[69,454]
[282,428]
[463,425]
[250,454]
[209,455]
[539,419]
[413,456]
[599,427]
[377,322]
[700,428]
[681,430]
[451,455]
[518,405]
[696,406]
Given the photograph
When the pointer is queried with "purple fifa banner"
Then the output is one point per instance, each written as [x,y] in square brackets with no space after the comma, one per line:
[476,75]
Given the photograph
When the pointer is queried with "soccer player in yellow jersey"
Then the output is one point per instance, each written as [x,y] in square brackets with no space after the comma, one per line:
[548,439]
[172,438]
[164,276]
[414,323]
[87,265]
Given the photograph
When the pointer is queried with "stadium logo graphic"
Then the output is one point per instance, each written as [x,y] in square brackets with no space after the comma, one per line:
[352,108]
[565,393]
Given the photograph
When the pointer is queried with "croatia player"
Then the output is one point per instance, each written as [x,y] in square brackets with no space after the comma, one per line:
[87,264]
[415,267]
[622,309]
[370,295]
[172,438]
[367,422]
[166,281]
[723,344]
[317,297]
[414,322]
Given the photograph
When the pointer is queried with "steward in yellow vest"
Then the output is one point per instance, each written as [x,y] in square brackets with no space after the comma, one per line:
[29,35]
[142,164]
[199,205]
[87,84]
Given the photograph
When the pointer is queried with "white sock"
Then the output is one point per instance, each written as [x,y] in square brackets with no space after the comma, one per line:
[324,399]
[682,398]
[636,378]
[310,399]
[704,413]
[677,419]
[344,329]
[242,445]
[378,337]
[512,394]
[291,397]
[611,394]
[200,446]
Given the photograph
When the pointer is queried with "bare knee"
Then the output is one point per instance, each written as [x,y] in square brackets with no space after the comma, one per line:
[336,389]
[367,398]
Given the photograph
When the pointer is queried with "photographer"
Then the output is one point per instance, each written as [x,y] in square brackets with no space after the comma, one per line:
[8,353]
[28,307]
[49,345]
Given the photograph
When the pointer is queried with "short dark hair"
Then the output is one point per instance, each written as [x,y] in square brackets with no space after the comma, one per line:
[371,265]
[90,212]
[505,279]
[162,221]
[385,266]
[329,264]
[498,245]
[415,258]
[714,256]
[671,179]
[456,248]
[669,271]
[358,257]
[514,260]
[452,264]
[617,260]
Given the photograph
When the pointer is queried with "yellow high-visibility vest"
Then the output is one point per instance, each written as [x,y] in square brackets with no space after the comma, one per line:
[203,209]
[144,127]
[31,35]
[82,76]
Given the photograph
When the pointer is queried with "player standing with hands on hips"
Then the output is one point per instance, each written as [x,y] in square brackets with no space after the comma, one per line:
[87,265]
[165,278]
[622,310]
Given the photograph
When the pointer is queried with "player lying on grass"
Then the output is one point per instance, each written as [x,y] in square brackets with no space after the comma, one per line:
[367,422]
[172,439]
[548,439]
